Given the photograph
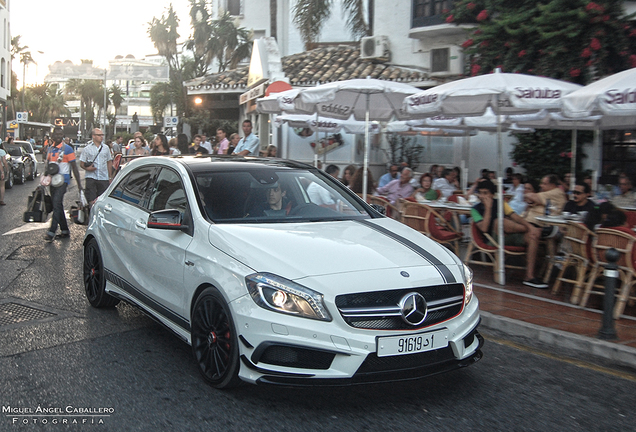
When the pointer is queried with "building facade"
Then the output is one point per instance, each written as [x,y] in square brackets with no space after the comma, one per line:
[5,63]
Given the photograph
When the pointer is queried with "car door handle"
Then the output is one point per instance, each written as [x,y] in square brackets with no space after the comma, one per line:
[108,208]
[189,263]
[140,224]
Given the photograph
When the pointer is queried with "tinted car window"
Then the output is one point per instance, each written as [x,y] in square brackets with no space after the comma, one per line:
[14,150]
[243,196]
[133,187]
[168,192]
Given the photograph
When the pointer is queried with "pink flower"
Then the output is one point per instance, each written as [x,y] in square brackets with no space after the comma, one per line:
[595,44]
[586,53]
[569,154]
[474,70]
[477,32]
[450,19]
[632,33]
[632,60]
[575,72]
[471,6]
[623,53]
[522,53]
[467,43]
[562,154]
[482,15]
[589,63]
[484,44]
[507,44]
[605,18]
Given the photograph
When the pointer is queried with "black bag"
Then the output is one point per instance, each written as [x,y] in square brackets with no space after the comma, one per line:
[37,206]
[51,169]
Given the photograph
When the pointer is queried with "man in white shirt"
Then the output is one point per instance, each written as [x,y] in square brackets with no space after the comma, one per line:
[97,161]
[206,144]
[444,184]
[318,194]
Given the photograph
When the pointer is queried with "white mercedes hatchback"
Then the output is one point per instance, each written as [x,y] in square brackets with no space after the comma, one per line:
[274,272]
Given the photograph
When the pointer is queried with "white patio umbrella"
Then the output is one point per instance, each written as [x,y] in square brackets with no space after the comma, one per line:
[364,99]
[613,96]
[505,94]
[323,124]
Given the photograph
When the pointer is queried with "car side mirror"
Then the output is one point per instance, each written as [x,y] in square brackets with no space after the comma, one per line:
[380,209]
[167,219]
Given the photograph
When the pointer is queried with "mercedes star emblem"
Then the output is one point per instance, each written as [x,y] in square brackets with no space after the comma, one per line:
[413,308]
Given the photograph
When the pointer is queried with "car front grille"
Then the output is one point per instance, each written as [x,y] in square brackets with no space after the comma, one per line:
[380,310]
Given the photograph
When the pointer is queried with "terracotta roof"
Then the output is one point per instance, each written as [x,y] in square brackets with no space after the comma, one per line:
[318,66]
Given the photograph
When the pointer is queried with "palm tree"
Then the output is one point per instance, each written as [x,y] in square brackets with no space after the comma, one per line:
[117,98]
[310,16]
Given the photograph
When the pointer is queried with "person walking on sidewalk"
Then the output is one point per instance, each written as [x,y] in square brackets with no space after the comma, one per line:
[64,156]
[97,161]
[4,168]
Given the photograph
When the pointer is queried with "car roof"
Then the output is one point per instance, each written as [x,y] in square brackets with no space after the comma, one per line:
[204,163]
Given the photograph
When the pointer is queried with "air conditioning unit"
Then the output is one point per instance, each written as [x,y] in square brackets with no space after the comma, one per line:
[375,47]
[447,61]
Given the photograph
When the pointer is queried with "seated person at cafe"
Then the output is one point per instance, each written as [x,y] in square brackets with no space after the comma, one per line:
[580,201]
[425,192]
[627,197]
[398,188]
[517,190]
[550,191]
[444,184]
[318,194]
[394,173]
[517,231]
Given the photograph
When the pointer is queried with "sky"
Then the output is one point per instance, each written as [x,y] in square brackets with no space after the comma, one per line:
[86,29]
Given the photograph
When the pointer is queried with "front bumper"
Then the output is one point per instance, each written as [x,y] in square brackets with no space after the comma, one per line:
[333,353]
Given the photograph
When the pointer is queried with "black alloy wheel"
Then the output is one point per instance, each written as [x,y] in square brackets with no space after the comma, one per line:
[9,182]
[21,175]
[31,175]
[95,278]
[214,340]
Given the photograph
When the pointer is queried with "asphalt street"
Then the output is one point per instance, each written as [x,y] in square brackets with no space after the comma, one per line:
[118,370]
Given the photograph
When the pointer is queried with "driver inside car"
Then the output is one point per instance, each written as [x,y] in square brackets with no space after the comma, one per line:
[275,202]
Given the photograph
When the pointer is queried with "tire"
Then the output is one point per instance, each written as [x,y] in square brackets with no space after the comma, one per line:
[31,175]
[21,176]
[214,340]
[9,182]
[95,277]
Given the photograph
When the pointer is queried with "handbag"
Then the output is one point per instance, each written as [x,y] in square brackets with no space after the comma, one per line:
[90,164]
[38,206]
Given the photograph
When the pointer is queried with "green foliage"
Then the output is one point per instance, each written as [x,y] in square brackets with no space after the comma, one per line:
[548,152]
[404,149]
[573,40]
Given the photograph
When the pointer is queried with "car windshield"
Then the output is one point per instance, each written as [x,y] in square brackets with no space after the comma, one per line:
[273,196]
[14,150]
[27,147]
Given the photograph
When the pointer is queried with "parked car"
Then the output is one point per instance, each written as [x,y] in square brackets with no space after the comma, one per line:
[232,255]
[23,165]
[28,148]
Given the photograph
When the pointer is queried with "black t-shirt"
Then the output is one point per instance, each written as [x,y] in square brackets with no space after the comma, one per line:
[201,150]
[571,207]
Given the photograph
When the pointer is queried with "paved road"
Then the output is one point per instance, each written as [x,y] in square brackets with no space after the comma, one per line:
[70,356]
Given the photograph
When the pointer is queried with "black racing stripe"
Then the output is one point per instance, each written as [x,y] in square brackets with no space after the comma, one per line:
[146,301]
[447,275]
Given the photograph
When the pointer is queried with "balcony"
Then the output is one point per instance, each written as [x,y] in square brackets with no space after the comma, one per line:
[428,20]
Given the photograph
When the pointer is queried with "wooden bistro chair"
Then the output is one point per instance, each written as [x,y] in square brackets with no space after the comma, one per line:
[579,239]
[415,215]
[392,211]
[441,230]
[623,242]
[483,244]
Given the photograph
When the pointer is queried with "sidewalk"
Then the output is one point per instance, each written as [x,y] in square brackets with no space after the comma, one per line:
[540,318]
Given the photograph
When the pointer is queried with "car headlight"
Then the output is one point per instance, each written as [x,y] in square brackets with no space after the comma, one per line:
[468,280]
[281,295]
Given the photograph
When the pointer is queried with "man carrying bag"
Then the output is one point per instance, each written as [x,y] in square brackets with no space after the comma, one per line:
[63,156]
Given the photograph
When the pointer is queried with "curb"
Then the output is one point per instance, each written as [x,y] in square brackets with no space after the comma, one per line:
[561,340]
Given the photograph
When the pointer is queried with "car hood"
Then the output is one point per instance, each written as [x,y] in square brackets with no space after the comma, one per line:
[300,250]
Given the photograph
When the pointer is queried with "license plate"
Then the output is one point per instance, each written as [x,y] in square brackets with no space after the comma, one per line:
[411,344]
